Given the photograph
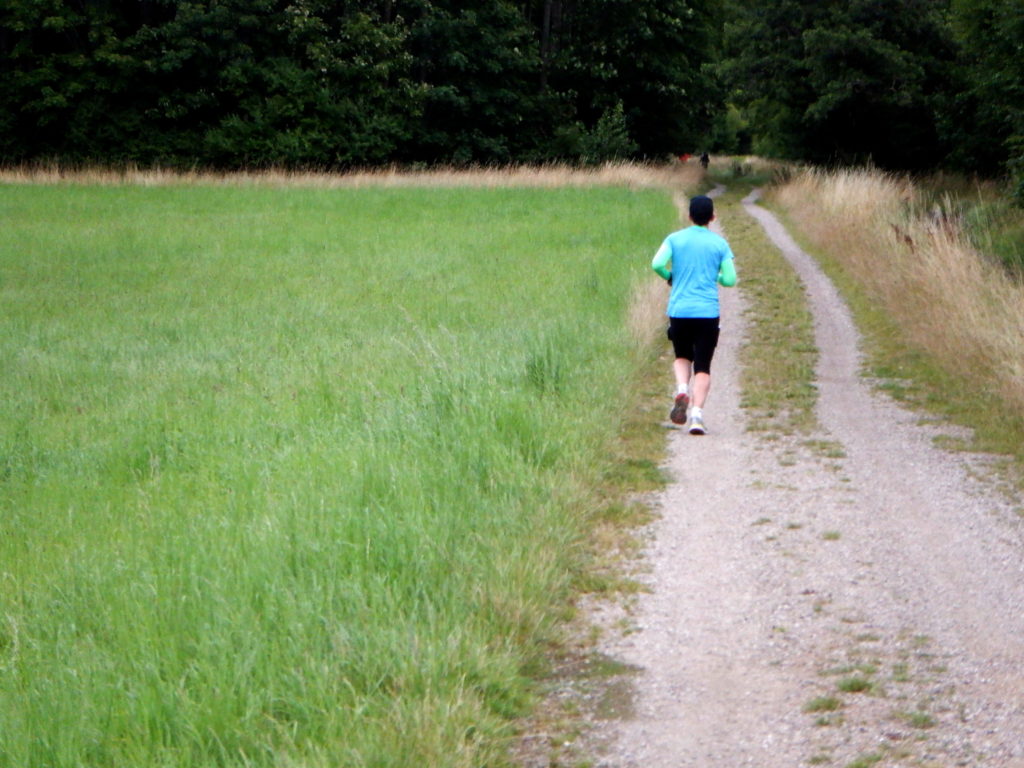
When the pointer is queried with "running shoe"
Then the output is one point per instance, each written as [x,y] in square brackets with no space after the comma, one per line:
[697,425]
[678,414]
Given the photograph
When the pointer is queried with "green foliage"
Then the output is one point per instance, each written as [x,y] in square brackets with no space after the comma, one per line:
[989,117]
[995,227]
[730,132]
[1016,167]
[608,141]
[655,57]
[233,83]
[477,65]
[220,83]
[851,82]
[906,85]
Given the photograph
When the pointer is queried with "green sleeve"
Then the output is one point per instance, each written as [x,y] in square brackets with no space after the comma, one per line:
[727,274]
[661,260]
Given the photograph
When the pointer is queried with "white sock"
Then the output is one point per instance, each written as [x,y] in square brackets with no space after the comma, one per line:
[682,389]
[698,412]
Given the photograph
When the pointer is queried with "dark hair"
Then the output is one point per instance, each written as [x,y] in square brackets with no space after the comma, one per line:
[701,209]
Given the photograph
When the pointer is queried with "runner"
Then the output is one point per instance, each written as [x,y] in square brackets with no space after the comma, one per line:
[694,261]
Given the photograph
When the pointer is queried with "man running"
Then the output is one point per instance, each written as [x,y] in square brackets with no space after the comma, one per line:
[695,261]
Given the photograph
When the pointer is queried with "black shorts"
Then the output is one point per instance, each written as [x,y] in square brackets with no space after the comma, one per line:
[694,339]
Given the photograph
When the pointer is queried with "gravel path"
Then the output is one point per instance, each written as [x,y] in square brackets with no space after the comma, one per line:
[782,573]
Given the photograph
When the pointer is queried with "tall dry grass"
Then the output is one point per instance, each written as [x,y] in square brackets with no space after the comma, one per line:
[949,299]
[645,313]
[634,175]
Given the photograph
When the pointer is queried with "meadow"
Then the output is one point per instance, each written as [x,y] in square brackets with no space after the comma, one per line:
[297,475]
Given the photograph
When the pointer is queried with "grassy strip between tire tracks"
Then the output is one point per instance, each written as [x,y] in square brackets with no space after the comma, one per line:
[779,353]
[305,477]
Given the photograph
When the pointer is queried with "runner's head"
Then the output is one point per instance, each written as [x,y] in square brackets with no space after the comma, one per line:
[702,210]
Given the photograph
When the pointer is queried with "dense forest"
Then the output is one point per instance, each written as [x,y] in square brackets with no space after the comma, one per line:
[905,84]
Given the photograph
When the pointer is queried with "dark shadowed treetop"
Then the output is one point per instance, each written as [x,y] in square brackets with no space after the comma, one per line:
[231,83]
[843,81]
[988,115]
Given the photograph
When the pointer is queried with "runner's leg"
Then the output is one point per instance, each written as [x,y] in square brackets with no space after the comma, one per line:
[701,387]
[682,367]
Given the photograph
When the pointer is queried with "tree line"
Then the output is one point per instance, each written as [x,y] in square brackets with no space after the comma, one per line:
[906,84]
[341,83]
[909,84]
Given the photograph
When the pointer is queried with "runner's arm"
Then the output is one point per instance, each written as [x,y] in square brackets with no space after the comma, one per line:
[727,274]
[661,261]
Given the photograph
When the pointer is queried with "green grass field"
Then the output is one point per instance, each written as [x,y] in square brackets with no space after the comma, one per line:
[299,477]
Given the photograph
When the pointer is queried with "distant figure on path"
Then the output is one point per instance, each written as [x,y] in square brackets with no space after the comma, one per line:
[704,160]
[695,261]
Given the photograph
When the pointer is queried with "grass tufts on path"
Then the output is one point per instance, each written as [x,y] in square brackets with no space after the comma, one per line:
[779,353]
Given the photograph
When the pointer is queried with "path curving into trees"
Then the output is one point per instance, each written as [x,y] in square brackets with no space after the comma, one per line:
[861,603]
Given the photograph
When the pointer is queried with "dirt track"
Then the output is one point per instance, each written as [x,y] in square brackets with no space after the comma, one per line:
[779,572]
